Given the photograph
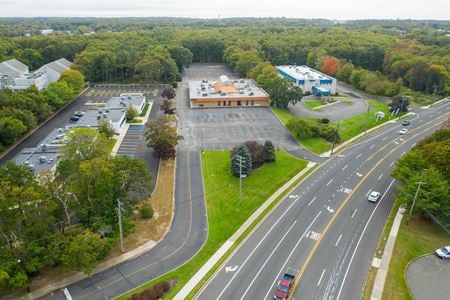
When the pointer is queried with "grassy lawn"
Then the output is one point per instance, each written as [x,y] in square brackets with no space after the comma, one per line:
[111,144]
[225,215]
[283,114]
[144,111]
[313,103]
[353,126]
[419,237]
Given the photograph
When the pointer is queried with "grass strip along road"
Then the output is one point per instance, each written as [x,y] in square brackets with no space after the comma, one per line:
[225,215]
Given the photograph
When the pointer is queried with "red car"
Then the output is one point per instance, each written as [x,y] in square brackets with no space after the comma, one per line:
[284,287]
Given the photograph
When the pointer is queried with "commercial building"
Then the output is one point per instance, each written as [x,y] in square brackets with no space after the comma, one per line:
[16,75]
[226,92]
[115,117]
[310,80]
[124,101]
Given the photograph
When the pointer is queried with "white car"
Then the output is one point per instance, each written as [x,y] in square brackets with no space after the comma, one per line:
[374,196]
[443,252]
[403,131]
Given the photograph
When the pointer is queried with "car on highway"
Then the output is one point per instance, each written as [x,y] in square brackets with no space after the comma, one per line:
[374,196]
[79,113]
[403,131]
[406,123]
[74,118]
[284,287]
[443,252]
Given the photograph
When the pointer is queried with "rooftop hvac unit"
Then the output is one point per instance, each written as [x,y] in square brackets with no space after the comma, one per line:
[223,94]
[99,117]
[100,112]
[251,94]
[105,116]
[204,94]
[106,110]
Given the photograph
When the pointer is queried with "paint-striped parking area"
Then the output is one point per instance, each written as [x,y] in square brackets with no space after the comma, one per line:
[132,141]
[102,93]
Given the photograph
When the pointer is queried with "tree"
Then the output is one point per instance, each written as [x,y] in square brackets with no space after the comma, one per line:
[131,114]
[166,106]
[241,161]
[247,60]
[345,72]
[161,130]
[84,251]
[330,65]
[256,151]
[164,150]
[168,93]
[105,128]
[11,129]
[74,79]
[283,92]
[299,127]
[181,55]
[84,144]
[399,103]
[269,149]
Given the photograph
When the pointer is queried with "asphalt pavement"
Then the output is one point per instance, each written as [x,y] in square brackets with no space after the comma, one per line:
[325,231]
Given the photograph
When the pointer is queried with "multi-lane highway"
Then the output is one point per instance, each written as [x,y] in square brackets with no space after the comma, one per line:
[325,230]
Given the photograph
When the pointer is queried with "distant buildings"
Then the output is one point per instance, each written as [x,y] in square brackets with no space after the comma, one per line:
[16,75]
[227,92]
[310,80]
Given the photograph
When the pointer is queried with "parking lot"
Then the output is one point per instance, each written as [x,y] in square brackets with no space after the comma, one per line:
[132,141]
[102,93]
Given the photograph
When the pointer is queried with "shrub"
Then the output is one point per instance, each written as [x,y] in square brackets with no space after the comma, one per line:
[153,293]
[269,149]
[256,151]
[325,121]
[146,211]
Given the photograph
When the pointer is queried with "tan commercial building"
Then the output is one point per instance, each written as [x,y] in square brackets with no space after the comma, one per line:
[227,92]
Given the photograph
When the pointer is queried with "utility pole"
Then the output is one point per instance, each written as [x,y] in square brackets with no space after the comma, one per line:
[367,120]
[335,137]
[415,197]
[119,205]
[241,160]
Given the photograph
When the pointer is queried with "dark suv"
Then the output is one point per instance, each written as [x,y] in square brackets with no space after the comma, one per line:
[406,123]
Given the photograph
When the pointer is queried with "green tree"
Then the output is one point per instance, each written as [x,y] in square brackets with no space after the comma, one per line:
[105,128]
[247,60]
[270,151]
[241,161]
[162,130]
[11,129]
[131,114]
[74,79]
[181,55]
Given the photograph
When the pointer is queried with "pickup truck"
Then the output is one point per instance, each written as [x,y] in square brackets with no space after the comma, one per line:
[284,287]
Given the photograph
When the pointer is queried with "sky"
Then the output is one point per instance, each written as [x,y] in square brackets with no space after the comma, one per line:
[310,9]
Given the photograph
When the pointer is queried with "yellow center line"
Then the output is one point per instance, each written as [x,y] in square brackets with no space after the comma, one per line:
[327,227]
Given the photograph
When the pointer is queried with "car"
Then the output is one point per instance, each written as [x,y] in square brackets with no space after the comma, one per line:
[403,131]
[79,113]
[74,118]
[406,123]
[373,196]
[443,252]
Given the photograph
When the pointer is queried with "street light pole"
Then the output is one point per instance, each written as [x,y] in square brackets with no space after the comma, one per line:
[367,120]
[335,138]
[415,197]
[120,225]
[241,160]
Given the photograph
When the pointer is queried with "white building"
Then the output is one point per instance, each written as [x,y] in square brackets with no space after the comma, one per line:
[115,117]
[55,69]
[134,100]
[23,82]
[310,80]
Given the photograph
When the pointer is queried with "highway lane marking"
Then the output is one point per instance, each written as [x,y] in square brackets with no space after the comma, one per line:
[379,177]
[385,138]
[267,260]
[290,254]
[345,167]
[360,238]
[338,240]
[310,202]
[392,163]
[320,279]
[327,227]
[358,156]
[231,269]
[313,235]
[331,180]
[354,213]
[371,146]
[256,248]
[403,153]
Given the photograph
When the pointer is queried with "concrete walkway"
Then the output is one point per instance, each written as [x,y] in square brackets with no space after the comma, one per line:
[192,283]
[377,291]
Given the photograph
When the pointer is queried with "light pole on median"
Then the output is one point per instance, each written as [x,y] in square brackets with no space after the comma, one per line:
[241,160]
[415,197]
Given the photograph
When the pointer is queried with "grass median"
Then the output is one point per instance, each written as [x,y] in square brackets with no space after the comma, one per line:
[313,103]
[225,215]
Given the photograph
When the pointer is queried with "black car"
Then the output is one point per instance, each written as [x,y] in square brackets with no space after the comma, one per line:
[406,123]
[74,118]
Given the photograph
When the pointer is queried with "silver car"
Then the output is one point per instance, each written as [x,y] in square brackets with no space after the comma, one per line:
[373,196]
[443,252]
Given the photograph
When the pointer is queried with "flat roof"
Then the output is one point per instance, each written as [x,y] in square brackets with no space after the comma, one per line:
[93,117]
[303,73]
[204,89]
[125,100]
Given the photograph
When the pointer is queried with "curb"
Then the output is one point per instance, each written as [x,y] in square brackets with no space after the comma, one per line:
[222,251]
[10,148]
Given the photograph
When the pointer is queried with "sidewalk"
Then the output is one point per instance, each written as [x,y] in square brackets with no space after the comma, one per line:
[192,283]
[377,291]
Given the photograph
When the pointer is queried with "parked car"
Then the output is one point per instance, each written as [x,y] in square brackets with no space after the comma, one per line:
[406,123]
[374,196]
[74,118]
[79,113]
[443,252]
[403,131]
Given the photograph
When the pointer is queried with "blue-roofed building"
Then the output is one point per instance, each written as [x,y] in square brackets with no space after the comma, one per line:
[310,80]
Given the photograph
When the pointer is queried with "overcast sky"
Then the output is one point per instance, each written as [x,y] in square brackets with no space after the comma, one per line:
[328,9]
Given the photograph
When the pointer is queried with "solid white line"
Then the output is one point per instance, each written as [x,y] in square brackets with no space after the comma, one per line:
[257,246]
[310,202]
[371,146]
[345,167]
[379,177]
[290,254]
[385,138]
[360,238]
[329,182]
[320,279]
[368,193]
[403,153]
[358,156]
[67,294]
[392,163]
[354,213]
[267,260]
[338,240]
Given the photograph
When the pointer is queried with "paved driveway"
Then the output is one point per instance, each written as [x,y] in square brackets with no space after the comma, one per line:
[428,278]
